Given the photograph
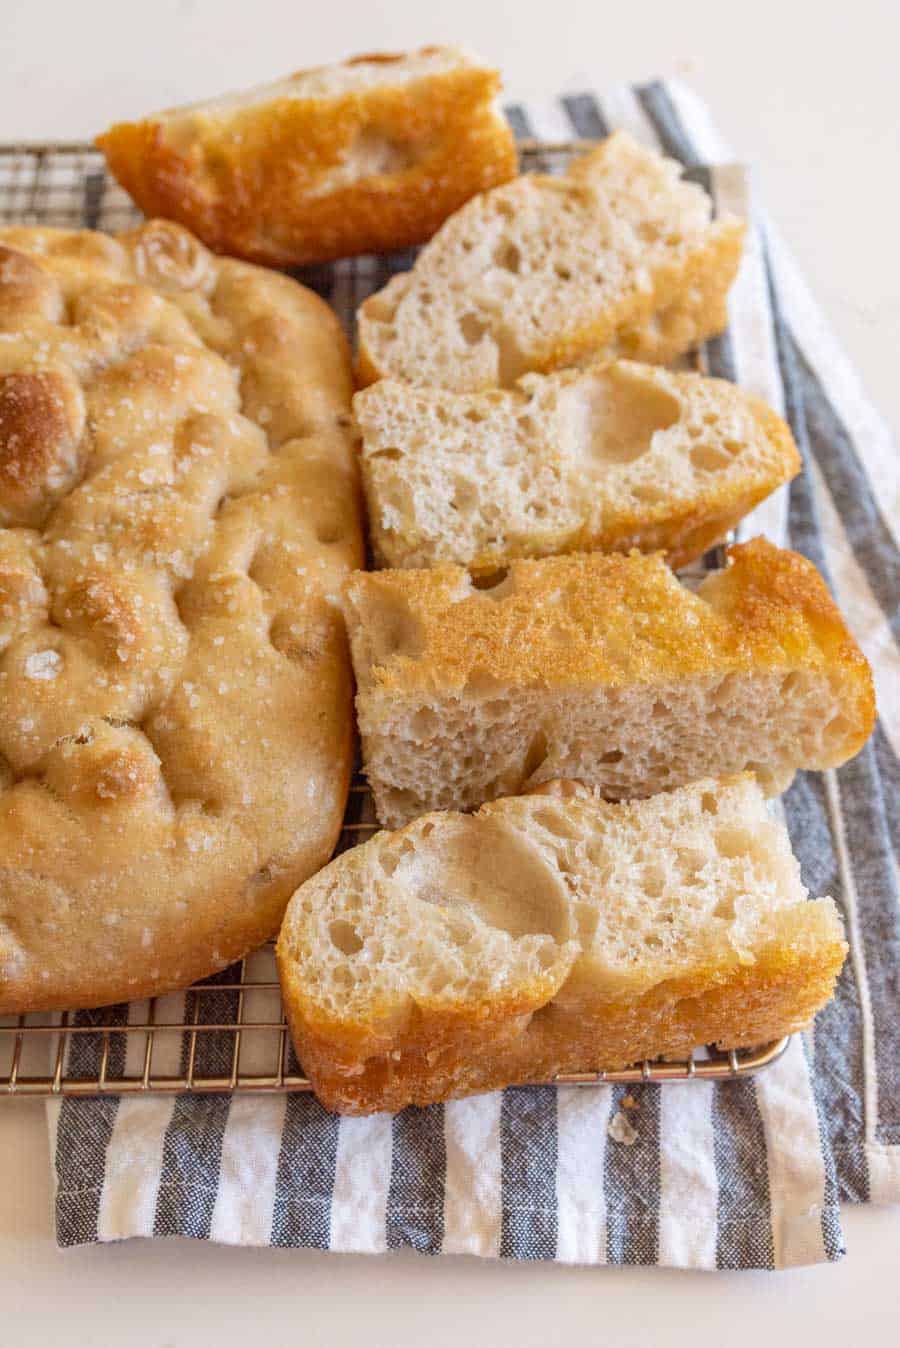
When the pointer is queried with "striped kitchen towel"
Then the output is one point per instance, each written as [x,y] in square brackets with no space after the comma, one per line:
[749,1174]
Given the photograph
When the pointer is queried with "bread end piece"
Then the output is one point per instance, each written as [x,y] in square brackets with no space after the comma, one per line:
[365,156]
[551,933]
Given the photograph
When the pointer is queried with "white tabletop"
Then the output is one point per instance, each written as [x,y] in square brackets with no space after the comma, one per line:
[807,93]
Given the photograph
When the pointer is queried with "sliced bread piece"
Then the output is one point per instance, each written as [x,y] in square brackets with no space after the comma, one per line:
[603,668]
[551,933]
[610,458]
[366,155]
[618,258]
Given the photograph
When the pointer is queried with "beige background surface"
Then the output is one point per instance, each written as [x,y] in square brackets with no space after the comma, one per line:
[808,93]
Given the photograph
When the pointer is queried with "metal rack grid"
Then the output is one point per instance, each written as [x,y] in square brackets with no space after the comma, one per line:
[227,1033]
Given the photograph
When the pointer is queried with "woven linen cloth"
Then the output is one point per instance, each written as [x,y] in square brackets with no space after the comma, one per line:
[744,1174]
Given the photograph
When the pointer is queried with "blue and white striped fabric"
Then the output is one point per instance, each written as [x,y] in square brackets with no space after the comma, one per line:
[734,1175]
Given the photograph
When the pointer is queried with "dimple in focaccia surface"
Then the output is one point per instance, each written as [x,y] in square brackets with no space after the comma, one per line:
[178,510]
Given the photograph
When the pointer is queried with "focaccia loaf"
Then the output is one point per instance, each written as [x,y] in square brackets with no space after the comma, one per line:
[178,512]
[363,156]
[609,458]
[551,933]
[620,257]
[603,668]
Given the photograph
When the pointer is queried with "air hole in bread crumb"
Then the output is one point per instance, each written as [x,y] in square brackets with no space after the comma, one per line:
[733,842]
[647,493]
[725,691]
[388,863]
[464,494]
[507,256]
[392,454]
[691,863]
[555,823]
[424,723]
[653,880]
[611,756]
[536,755]
[795,682]
[473,414]
[709,803]
[472,328]
[710,458]
[345,937]
[491,580]
[395,630]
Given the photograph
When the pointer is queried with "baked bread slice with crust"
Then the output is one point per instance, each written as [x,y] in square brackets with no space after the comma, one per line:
[551,933]
[609,458]
[179,509]
[367,155]
[604,668]
[620,257]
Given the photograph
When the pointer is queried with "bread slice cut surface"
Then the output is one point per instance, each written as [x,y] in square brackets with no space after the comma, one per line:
[603,668]
[609,458]
[551,933]
[620,257]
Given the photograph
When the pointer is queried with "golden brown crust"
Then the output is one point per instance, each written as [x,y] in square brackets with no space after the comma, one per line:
[181,502]
[253,181]
[603,667]
[623,620]
[443,1057]
[41,425]
[410,1040]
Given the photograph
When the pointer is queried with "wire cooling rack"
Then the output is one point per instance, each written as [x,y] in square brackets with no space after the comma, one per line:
[227,1033]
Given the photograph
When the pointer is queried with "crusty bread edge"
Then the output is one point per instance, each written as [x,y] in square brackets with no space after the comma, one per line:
[374,214]
[441,1056]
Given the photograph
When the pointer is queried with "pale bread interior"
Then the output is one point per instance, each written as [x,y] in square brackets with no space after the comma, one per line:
[561,892]
[611,456]
[521,277]
[455,751]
